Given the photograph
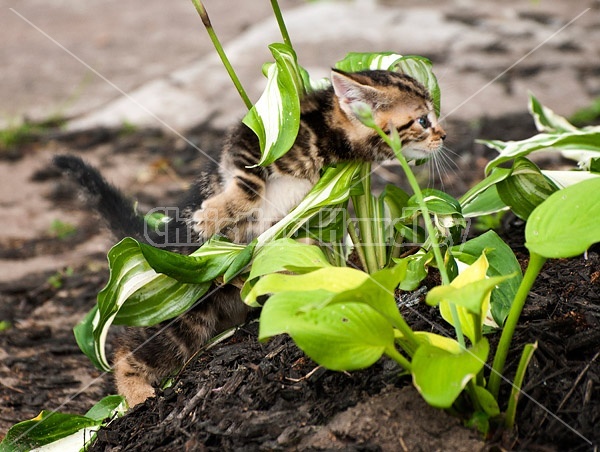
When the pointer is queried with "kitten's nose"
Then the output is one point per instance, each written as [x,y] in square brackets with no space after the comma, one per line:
[441,132]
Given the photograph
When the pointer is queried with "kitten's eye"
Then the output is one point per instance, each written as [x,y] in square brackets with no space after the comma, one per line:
[424,122]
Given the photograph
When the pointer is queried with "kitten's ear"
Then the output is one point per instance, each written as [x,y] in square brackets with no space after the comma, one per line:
[352,89]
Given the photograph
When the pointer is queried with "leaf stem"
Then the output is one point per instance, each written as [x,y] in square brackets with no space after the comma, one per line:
[281,23]
[412,180]
[533,268]
[357,244]
[396,356]
[219,48]
[363,207]
[511,411]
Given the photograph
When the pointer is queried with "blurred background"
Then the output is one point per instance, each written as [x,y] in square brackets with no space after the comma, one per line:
[68,58]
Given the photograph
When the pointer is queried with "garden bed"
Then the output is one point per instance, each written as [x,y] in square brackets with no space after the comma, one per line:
[244,395]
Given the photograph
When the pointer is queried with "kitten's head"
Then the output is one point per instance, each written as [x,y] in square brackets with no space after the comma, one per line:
[396,101]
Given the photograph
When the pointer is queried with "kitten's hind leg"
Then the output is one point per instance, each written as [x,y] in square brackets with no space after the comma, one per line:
[145,356]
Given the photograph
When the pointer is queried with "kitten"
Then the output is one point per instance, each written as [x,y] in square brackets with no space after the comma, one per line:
[242,200]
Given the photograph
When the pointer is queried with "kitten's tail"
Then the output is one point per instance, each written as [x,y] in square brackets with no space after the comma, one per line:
[114,208]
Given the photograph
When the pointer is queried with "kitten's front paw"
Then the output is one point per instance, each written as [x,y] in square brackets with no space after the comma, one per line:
[204,221]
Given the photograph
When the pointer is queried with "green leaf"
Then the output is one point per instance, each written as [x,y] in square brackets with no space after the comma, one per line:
[483,199]
[525,189]
[440,375]
[159,300]
[328,225]
[395,200]
[275,118]
[356,61]
[84,335]
[134,295]
[502,261]
[46,428]
[416,270]
[566,224]
[470,293]
[287,254]
[487,401]
[240,262]
[546,120]
[205,264]
[580,140]
[438,341]
[417,67]
[332,279]
[343,285]
[107,407]
[438,202]
[340,336]
[471,297]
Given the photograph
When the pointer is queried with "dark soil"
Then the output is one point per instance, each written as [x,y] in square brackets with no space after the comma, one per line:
[244,395]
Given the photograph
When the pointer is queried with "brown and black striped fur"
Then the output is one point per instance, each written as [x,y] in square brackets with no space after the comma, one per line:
[241,200]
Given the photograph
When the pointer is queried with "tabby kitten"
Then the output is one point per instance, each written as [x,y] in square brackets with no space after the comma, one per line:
[242,200]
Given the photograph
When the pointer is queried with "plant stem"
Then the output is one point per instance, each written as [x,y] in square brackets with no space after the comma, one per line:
[281,23]
[533,268]
[511,411]
[219,48]
[396,356]
[357,245]
[363,207]
[412,180]
[379,227]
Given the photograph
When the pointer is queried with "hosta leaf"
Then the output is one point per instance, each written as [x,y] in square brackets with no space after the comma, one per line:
[421,69]
[417,67]
[525,189]
[240,262]
[470,293]
[487,401]
[46,428]
[287,254]
[357,61]
[430,363]
[566,224]
[581,139]
[487,202]
[275,118]
[159,300]
[107,407]
[340,336]
[483,199]
[54,431]
[416,269]
[328,225]
[546,120]
[438,202]
[135,295]
[502,261]
[205,264]
[395,200]
[332,279]
[473,298]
